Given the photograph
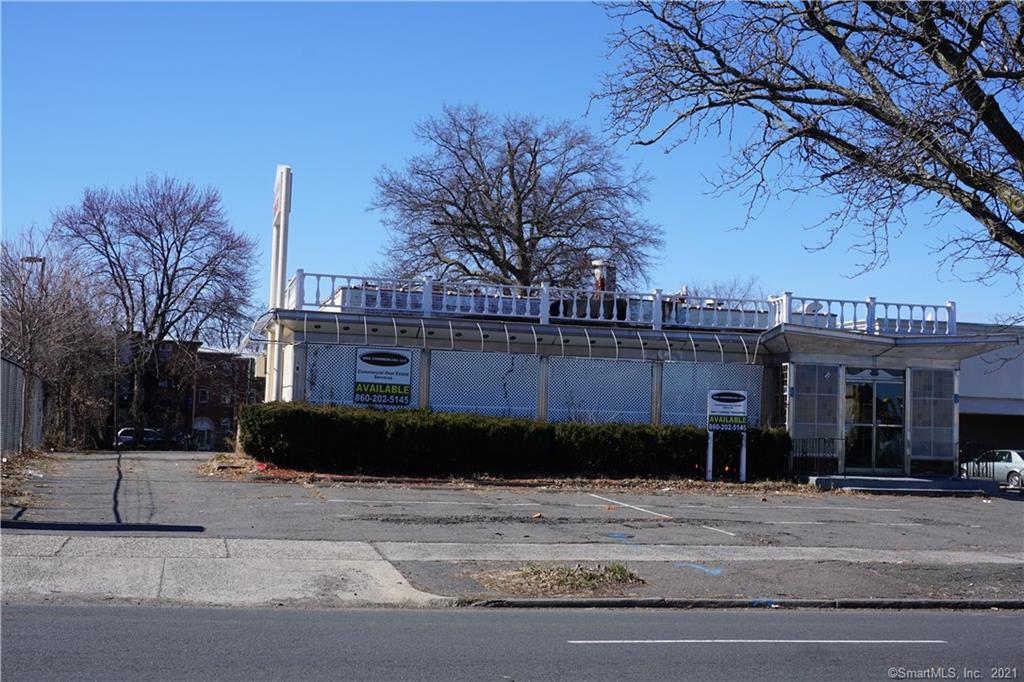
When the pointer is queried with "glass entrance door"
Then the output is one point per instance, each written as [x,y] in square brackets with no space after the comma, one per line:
[874,425]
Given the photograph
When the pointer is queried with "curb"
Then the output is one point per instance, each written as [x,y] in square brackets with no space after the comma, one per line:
[672,603]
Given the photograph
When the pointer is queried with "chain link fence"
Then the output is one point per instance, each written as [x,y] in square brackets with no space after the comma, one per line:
[12,381]
[685,387]
[496,384]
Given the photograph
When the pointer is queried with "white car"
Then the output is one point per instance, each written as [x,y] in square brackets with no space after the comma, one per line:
[1001,465]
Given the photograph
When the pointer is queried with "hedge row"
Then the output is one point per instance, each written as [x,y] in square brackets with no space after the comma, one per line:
[418,442]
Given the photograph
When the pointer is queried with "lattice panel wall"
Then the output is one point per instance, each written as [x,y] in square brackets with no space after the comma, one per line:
[498,384]
[331,375]
[580,389]
[685,386]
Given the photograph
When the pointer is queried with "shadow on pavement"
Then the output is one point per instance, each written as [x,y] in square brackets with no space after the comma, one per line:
[101,527]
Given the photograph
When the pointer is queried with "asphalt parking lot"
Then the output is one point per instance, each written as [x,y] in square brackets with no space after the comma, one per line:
[162,493]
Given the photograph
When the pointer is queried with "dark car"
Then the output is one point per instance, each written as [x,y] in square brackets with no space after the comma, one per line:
[126,438]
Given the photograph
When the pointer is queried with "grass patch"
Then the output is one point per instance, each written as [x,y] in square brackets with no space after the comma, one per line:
[228,465]
[533,579]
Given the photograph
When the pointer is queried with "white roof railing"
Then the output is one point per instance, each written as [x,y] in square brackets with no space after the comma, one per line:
[655,310]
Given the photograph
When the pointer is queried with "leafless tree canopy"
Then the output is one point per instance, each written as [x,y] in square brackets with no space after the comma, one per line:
[53,317]
[882,104]
[170,258]
[169,261]
[513,201]
[743,287]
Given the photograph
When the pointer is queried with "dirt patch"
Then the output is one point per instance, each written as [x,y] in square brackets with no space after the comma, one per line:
[244,468]
[15,471]
[228,465]
[533,579]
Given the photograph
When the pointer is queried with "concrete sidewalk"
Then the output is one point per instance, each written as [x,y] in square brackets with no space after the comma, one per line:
[260,572]
[203,571]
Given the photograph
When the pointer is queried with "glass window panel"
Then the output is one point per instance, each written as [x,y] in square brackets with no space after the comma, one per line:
[858,447]
[828,430]
[942,440]
[828,379]
[921,383]
[826,409]
[858,403]
[943,385]
[889,453]
[889,404]
[803,409]
[922,412]
[942,413]
[805,379]
[921,442]
[804,431]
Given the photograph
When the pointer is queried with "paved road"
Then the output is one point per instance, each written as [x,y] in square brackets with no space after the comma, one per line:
[105,642]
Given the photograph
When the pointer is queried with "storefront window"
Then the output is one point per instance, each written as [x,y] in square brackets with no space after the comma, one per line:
[932,414]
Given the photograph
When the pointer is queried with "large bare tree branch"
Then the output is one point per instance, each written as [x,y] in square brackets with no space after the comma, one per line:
[881,104]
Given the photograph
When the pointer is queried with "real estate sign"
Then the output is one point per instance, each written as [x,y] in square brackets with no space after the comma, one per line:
[383,377]
[727,410]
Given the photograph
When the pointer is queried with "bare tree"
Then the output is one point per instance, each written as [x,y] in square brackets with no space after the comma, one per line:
[882,104]
[168,259]
[737,287]
[51,316]
[513,201]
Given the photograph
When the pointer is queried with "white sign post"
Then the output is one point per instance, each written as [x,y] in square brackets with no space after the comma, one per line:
[727,411]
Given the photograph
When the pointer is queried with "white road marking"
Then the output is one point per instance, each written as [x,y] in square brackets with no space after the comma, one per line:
[822,507]
[794,523]
[719,530]
[445,502]
[757,641]
[623,504]
[895,524]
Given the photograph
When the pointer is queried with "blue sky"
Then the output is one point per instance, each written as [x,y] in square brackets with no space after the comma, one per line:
[220,93]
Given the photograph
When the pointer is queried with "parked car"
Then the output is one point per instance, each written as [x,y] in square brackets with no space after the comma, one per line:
[1001,465]
[126,438]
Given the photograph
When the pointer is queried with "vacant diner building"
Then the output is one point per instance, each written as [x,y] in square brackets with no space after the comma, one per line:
[867,386]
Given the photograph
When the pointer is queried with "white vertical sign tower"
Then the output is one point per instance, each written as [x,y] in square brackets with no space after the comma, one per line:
[278,270]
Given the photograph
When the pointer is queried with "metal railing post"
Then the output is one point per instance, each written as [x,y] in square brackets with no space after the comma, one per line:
[657,317]
[428,297]
[869,321]
[951,323]
[545,304]
[300,289]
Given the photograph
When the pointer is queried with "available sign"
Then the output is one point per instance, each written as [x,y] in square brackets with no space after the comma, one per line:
[383,377]
[727,410]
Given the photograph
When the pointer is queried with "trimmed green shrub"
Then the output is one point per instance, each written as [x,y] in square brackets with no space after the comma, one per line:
[419,442]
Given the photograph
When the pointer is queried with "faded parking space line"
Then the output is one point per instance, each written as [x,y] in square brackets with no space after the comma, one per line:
[822,507]
[719,530]
[441,502]
[757,641]
[623,504]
